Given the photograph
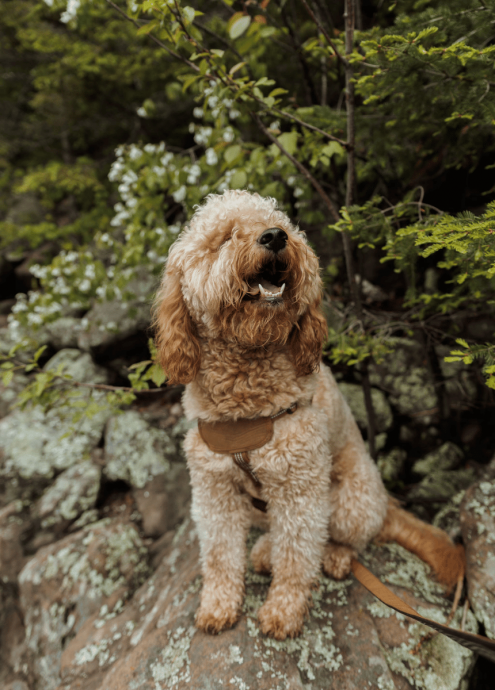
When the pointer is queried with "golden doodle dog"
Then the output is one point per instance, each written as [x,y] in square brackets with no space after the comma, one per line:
[238,320]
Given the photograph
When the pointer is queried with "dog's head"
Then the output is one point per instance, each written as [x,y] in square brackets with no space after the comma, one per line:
[242,273]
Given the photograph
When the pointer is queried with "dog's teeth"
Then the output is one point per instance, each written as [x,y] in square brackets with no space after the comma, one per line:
[262,290]
[282,290]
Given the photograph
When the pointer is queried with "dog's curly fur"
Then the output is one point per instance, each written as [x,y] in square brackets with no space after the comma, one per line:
[244,357]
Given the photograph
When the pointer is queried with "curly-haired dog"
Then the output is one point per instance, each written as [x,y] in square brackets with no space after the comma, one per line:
[247,348]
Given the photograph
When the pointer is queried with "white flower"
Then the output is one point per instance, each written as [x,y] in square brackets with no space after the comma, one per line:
[194,174]
[119,151]
[131,203]
[228,102]
[204,189]
[180,194]
[275,125]
[198,112]
[192,127]
[19,306]
[141,112]
[150,148]
[298,191]
[165,160]
[130,177]
[101,291]
[211,157]
[291,180]
[71,11]
[106,237]
[174,229]
[34,319]
[212,101]
[159,231]
[152,255]
[135,153]
[158,170]
[89,271]
[203,135]
[85,286]
[233,114]
[228,135]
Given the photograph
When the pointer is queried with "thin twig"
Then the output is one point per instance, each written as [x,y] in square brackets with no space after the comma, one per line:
[302,169]
[155,39]
[325,33]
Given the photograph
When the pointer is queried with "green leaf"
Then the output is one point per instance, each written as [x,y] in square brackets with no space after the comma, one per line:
[39,352]
[289,141]
[462,342]
[147,28]
[238,180]
[239,26]
[157,375]
[7,377]
[232,153]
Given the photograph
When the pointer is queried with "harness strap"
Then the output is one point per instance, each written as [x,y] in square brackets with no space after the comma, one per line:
[242,461]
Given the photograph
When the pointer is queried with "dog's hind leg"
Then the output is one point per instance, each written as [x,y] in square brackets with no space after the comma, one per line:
[358,507]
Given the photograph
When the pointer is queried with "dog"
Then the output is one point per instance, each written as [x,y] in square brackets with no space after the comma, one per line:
[238,321]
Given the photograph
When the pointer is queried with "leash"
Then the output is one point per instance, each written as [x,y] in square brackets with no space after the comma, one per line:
[476,643]
[244,435]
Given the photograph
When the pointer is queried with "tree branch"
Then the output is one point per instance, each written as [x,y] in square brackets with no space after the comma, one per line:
[325,33]
[302,169]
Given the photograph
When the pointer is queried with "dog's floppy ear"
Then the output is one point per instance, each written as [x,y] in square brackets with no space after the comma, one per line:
[306,340]
[176,338]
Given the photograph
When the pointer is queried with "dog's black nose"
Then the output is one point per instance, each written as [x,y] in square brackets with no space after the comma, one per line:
[273,239]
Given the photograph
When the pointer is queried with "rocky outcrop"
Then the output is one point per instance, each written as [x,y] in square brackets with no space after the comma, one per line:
[350,640]
[478,531]
[442,477]
[92,571]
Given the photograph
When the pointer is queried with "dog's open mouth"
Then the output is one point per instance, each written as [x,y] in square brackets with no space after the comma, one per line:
[269,284]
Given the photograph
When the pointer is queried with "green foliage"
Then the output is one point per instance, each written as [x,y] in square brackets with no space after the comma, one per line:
[218,108]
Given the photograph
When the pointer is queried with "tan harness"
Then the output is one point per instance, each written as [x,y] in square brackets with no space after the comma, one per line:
[244,435]
[238,438]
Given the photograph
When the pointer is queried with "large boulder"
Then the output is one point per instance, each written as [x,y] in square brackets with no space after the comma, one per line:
[350,640]
[354,395]
[151,461]
[442,476]
[73,493]
[66,583]
[405,375]
[478,531]
[111,321]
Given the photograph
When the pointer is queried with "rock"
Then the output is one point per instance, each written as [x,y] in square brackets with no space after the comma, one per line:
[448,517]
[26,210]
[150,460]
[78,365]
[164,501]
[66,583]
[441,479]
[405,376]
[447,457]
[391,465]
[12,526]
[63,332]
[354,395]
[350,640]
[478,531]
[35,445]
[74,492]
[107,323]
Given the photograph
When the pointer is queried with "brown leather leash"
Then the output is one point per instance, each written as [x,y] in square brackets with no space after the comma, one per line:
[244,435]
[476,643]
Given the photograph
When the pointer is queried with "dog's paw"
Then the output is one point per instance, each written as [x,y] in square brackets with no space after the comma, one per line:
[337,560]
[261,554]
[214,619]
[283,616]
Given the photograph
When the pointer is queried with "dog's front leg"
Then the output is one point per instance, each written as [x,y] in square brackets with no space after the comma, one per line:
[222,518]
[298,532]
